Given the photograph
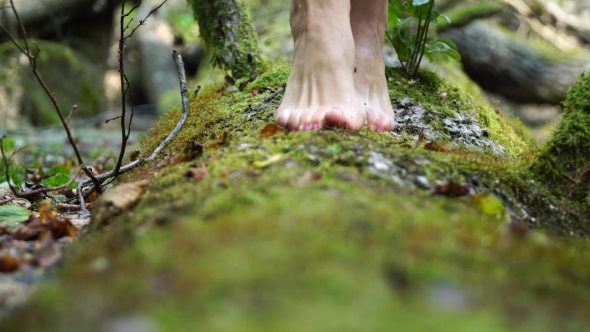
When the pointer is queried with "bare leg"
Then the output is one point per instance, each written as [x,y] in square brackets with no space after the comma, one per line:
[320,90]
[368,20]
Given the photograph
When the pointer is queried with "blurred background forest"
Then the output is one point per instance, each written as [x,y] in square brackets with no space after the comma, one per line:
[520,55]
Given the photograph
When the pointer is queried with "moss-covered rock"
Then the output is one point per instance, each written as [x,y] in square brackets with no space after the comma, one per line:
[331,229]
[70,76]
[564,161]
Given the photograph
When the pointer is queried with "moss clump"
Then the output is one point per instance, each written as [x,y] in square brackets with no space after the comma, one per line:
[448,101]
[564,161]
[227,30]
[463,15]
[59,66]
[340,231]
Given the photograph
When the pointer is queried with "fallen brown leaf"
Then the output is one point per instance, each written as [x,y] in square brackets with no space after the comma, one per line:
[270,130]
[48,253]
[197,173]
[32,230]
[115,201]
[433,146]
[307,178]
[45,212]
[518,229]
[222,140]
[190,152]
[8,263]
[450,188]
[124,196]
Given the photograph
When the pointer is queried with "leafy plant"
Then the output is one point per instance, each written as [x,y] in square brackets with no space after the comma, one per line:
[15,173]
[409,21]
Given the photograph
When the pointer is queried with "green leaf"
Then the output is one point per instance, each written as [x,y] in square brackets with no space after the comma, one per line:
[453,54]
[12,215]
[447,19]
[9,144]
[448,42]
[56,180]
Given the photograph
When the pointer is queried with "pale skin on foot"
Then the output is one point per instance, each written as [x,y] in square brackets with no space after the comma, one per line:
[338,77]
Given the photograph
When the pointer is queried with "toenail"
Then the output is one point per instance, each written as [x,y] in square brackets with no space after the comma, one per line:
[305,127]
[315,126]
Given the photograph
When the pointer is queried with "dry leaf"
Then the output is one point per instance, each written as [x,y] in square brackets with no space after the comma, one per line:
[124,196]
[32,230]
[450,188]
[45,212]
[307,178]
[8,263]
[270,130]
[433,146]
[113,202]
[190,152]
[48,252]
[197,173]
[222,140]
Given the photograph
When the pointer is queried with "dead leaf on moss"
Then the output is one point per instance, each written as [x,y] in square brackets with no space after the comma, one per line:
[434,146]
[222,140]
[191,151]
[197,173]
[451,189]
[307,178]
[270,130]
[8,263]
[124,196]
[518,229]
[115,201]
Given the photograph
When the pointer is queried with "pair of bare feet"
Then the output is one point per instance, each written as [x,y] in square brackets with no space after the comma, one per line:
[338,77]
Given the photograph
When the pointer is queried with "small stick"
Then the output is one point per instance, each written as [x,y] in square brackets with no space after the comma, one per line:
[7,200]
[184,94]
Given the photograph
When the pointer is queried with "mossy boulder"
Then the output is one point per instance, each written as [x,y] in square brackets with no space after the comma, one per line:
[424,228]
[564,161]
[70,76]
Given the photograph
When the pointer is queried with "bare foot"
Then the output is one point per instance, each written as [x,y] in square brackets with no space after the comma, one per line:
[369,21]
[320,90]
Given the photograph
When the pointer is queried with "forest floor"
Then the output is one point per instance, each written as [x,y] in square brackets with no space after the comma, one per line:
[437,225]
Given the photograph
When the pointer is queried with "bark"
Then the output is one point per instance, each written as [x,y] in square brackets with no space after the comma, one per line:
[227,30]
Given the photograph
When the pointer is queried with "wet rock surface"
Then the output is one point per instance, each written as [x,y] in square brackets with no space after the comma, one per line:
[414,120]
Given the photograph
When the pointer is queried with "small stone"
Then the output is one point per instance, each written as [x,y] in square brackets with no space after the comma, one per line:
[422,182]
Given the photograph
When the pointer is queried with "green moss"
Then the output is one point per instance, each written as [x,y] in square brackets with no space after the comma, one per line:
[335,234]
[59,66]
[429,90]
[463,15]
[563,161]
[227,30]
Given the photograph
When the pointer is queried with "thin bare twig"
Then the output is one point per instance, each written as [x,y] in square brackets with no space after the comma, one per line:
[142,22]
[7,167]
[75,107]
[272,96]
[33,63]
[7,200]
[184,93]
[32,192]
[125,85]
[83,208]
